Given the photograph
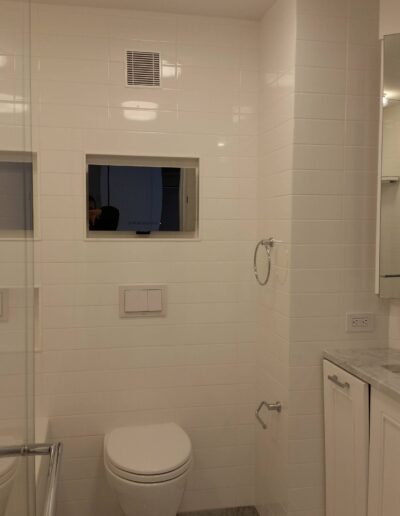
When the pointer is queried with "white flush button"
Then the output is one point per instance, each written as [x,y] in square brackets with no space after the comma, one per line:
[142,301]
[135,300]
[154,300]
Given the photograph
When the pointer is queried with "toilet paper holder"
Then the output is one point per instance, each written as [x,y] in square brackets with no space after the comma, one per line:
[277,407]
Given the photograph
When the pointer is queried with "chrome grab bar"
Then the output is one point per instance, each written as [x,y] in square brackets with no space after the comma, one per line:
[54,451]
[277,407]
[336,381]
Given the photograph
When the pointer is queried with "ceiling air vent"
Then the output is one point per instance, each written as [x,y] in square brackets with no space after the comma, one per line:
[142,68]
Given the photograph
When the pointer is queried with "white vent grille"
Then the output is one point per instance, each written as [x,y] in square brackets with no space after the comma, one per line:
[142,68]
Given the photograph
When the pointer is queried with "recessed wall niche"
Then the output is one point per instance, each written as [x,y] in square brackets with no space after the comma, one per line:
[141,197]
[18,195]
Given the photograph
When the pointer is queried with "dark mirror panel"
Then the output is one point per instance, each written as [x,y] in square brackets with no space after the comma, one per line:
[141,199]
[16,196]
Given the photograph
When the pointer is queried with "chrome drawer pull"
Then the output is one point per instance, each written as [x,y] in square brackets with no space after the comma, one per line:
[336,381]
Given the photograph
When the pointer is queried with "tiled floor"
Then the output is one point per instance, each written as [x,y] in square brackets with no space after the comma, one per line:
[238,511]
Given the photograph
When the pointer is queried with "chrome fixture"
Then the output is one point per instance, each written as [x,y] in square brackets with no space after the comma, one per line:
[277,407]
[390,179]
[335,380]
[54,450]
[268,244]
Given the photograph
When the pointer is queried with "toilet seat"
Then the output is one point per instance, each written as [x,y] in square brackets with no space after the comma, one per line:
[149,453]
[148,479]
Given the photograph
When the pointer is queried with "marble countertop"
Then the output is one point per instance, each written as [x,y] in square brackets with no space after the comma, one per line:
[367,364]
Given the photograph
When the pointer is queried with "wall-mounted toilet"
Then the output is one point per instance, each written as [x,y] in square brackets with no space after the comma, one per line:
[8,470]
[147,466]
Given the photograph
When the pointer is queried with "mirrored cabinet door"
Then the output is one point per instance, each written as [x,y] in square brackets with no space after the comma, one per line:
[389,238]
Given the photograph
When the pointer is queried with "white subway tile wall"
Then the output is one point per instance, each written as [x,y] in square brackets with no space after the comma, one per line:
[197,365]
[286,133]
[277,66]
[333,217]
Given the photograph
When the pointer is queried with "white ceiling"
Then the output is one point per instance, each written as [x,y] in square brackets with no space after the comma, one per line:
[244,9]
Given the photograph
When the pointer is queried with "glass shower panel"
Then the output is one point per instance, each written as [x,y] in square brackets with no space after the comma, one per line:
[17,176]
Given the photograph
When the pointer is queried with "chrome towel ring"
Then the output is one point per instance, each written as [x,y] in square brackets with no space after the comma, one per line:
[268,244]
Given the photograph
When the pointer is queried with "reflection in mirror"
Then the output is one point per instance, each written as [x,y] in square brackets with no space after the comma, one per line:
[389,252]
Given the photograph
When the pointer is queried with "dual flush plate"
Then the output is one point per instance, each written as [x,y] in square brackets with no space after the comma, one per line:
[142,301]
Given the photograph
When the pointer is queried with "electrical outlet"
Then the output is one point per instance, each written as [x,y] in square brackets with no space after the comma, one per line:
[360,322]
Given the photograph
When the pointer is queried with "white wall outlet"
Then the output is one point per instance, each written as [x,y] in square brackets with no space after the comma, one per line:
[360,322]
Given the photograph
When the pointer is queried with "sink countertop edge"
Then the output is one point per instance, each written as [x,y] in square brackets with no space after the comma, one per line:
[367,365]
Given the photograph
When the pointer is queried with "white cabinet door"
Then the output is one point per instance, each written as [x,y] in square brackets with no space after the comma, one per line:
[346,405]
[384,476]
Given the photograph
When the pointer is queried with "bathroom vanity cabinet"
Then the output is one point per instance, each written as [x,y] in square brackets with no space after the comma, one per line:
[346,442]
[362,433]
[384,459]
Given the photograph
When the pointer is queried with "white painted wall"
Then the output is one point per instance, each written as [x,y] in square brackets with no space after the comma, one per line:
[389,17]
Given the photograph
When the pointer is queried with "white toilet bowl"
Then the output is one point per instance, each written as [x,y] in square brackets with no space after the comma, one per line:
[8,469]
[147,466]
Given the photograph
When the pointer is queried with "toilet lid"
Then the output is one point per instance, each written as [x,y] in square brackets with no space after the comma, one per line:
[8,465]
[149,449]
